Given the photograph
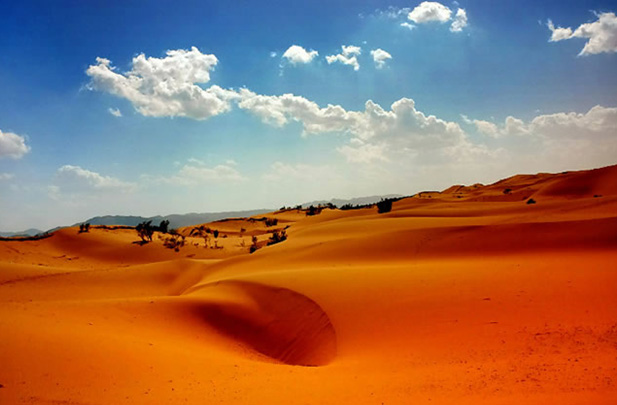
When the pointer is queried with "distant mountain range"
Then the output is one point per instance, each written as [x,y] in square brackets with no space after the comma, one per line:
[27,232]
[181,220]
[353,201]
[175,220]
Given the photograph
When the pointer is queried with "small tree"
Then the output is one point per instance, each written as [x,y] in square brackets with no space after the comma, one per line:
[145,231]
[384,206]
[271,222]
[164,226]
[254,246]
[312,210]
[277,237]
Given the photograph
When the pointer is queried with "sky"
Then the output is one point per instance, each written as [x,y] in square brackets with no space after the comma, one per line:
[161,107]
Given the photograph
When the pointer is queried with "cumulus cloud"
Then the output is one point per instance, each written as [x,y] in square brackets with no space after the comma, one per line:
[280,171]
[374,131]
[392,12]
[359,151]
[380,57]
[460,21]
[165,87]
[601,34]
[115,112]
[487,128]
[12,145]
[296,54]
[429,11]
[408,26]
[558,33]
[349,56]
[598,123]
[196,172]
[71,180]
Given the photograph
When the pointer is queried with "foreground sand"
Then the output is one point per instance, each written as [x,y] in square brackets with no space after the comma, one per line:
[461,297]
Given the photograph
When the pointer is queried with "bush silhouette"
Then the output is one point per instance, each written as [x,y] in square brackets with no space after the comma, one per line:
[254,245]
[384,206]
[163,226]
[277,237]
[145,231]
[271,222]
[531,201]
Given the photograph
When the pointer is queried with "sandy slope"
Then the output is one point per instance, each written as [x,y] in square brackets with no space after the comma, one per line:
[465,296]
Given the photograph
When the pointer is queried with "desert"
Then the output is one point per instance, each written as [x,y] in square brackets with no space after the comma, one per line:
[469,295]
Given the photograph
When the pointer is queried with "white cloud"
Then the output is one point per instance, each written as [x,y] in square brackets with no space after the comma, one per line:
[429,11]
[280,171]
[601,34]
[12,145]
[598,123]
[380,57]
[165,87]
[273,54]
[460,21]
[374,130]
[392,12]
[115,112]
[559,33]
[6,176]
[408,26]
[347,57]
[487,128]
[196,172]
[72,180]
[296,54]
[358,151]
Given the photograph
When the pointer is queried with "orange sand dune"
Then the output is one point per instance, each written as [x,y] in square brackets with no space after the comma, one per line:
[464,296]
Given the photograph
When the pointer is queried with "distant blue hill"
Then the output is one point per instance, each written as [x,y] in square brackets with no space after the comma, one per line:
[27,232]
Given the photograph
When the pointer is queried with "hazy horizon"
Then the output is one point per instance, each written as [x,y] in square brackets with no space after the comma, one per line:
[147,108]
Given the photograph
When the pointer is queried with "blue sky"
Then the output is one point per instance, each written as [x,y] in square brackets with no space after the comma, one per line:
[228,107]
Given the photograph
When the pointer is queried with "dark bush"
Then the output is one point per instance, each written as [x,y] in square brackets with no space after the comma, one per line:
[145,231]
[531,201]
[507,191]
[271,222]
[277,237]
[384,206]
[312,210]
[163,226]
[254,245]
[175,241]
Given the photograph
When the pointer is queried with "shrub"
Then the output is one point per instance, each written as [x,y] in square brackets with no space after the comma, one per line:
[84,228]
[277,237]
[384,206]
[163,226]
[145,231]
[312,210]
[531,201]
[254,246]
[507,191]
[201,232]
[175,241]
[271,222]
